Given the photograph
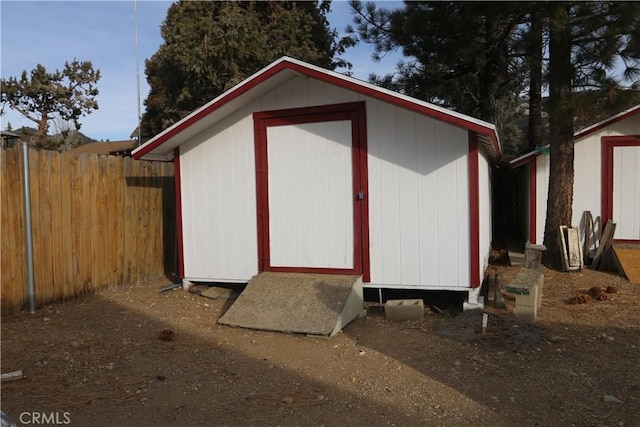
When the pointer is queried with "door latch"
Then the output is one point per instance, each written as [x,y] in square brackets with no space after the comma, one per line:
[360,195]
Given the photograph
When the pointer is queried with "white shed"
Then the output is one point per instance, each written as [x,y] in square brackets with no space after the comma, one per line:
[301,169]
[606,179]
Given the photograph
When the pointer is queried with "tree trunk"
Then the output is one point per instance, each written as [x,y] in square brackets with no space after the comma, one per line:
[491,101]
[535,82]
[42,129]
[560,195]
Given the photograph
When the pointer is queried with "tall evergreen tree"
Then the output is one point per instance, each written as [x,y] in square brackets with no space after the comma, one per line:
[585,41]
[476,57]
[560,128]
[531,41]
[459,54]
[211,46]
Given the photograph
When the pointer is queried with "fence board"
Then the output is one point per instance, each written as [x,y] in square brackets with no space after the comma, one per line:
[76,223]
[87,203]
[66,229]
[44,210]
[38,253]
[128,223]
[102,226]
[98,221]
[57,241]
[141,207]
[16,232]
[5,229]
[117,219]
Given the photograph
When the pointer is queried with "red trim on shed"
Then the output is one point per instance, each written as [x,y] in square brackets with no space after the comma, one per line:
[356,113]
[533,200]
[363,205]
[608,122]
[474,212]
[325,76]
[606,190]
[178,201]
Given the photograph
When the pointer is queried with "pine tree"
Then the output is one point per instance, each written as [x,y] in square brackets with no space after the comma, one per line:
[41,96]
[459,54]
[561,151]
[210,47]
[585,40]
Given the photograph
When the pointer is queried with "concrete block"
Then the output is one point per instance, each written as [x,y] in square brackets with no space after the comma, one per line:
[404,309]
[527,288]
[186,284]
[527,306]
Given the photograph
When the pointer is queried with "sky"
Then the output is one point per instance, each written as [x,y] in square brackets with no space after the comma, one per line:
[104,32]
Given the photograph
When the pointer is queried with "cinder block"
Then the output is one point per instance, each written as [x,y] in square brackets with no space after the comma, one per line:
[404,309]
[527,287]
[527,306]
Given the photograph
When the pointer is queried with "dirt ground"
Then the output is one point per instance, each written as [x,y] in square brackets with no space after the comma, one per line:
[98,361]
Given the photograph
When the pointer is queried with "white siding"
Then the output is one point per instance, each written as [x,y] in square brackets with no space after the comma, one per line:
[219,203]
[418,194]
[586,188]
[418,186]
[588,182]
[218,185]
[542,187]
[484,180]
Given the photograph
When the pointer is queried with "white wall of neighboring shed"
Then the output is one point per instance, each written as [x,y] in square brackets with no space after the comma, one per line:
[587,185]
[418,193]
[542,189]
[485,208]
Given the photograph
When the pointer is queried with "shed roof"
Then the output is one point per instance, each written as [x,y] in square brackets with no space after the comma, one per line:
[109,147]
[162,146]
[629,112]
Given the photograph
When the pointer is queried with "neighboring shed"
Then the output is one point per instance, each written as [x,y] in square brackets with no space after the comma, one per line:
[116,148]
[300,169]
[9,139]
[606,179]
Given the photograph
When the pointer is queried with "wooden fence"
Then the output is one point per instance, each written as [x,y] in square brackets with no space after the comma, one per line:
[97,222]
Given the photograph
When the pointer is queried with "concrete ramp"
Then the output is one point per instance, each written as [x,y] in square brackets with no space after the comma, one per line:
[315,304]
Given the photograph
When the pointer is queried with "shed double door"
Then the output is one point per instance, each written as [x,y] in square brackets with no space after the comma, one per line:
[311,185]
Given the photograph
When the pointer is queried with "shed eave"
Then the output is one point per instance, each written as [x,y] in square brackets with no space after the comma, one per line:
[629,112]
[577,136]
[220,107]
[287,68]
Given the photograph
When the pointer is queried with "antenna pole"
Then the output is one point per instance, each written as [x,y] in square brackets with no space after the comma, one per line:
[135,13]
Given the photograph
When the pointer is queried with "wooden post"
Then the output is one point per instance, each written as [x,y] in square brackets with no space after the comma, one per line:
[605,242]
[533,255]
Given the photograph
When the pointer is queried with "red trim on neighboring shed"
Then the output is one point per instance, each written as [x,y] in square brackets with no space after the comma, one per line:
[608,122]
[526,158]
[624,241]
[533,199]
[606,191]
[356,113]
[474,212]
[324,76]
[178,201]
